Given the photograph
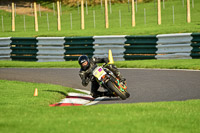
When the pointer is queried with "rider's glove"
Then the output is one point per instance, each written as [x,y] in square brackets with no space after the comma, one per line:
[85,82]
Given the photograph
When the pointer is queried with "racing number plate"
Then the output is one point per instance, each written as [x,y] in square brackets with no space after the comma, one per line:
[99,72]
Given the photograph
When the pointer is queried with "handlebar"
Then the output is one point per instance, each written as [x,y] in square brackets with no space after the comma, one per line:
[105,64]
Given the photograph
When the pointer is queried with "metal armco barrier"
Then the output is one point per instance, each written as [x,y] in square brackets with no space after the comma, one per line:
[5,48]
[174,46]
[50,49]
[140,47]
[43,49]
[24,49]
[104,43]
[76,46]
[195,53]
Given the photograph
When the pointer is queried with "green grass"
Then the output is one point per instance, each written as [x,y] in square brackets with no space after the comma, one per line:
[66,64]
[151,27]
[169,64]
[21,112]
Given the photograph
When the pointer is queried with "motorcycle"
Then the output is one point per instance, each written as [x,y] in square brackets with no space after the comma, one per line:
[110,82]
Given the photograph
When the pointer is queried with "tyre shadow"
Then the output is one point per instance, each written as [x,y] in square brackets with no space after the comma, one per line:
[108,99]
[60,92]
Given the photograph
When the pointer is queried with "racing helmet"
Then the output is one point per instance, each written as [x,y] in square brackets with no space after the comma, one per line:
[81,60]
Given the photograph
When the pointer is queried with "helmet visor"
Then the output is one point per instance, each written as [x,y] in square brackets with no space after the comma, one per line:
[85,63]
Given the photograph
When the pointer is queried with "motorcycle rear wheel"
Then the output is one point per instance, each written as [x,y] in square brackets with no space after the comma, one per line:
[114,88]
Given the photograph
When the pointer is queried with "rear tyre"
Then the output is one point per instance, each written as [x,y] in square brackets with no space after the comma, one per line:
[114,88]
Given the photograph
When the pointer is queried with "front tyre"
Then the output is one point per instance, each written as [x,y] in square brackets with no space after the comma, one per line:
[119,92]
[127,94]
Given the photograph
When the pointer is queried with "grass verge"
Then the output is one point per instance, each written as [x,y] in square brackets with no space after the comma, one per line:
[163,64]
[167,64]
[144,26]
[21,112]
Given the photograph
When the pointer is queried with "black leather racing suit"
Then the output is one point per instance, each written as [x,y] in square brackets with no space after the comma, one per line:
[87,74]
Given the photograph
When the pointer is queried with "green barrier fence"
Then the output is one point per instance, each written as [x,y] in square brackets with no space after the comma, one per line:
[195,53]
[140,47]
[24,49]
[76,46]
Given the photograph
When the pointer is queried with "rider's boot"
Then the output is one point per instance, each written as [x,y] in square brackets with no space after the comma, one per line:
[108,94]
[97,94]
[101,94]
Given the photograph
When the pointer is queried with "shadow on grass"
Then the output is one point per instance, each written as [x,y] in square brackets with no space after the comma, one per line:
[62,93]
[105,99]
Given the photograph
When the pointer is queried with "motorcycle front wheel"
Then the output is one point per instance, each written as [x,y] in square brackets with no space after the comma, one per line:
[127,94]
[119,92]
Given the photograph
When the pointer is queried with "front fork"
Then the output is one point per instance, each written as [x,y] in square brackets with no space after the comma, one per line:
[115,80]
[121,86]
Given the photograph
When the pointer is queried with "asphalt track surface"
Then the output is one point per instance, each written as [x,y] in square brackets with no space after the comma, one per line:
[144,85]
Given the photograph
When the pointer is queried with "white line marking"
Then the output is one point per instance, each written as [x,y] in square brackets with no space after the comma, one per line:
[92,102]
[79,94]
[95,101]
[75,101]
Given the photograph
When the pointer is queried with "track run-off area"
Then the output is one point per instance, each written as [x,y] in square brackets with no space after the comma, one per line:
[144,85]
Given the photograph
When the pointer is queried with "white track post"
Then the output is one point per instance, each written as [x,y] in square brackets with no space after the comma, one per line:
[106,14]
[94,19]
[15,9]
[48,21]
[120,20]
[39,10]
[144,16]
[58,11]
[136,5]
[60,8]
[32,9]
[173,14]
[86,7]
[192,3]
[133,13]
[13,16]
[71,20]
[54,9]
[78,6]
[2,24]
[36,18]
[24,23]
[159,13]
[101,6]
[82,15]
[128,6]
[188,11]
[163,4]
[110,6]
[8,6]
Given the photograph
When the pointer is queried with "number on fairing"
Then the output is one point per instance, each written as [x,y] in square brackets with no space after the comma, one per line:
[99,72]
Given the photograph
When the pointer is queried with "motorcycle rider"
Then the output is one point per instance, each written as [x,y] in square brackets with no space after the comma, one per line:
[85,72]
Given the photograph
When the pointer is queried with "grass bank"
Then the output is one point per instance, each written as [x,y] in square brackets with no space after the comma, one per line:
[20,112]
[71,21]
[163,64]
